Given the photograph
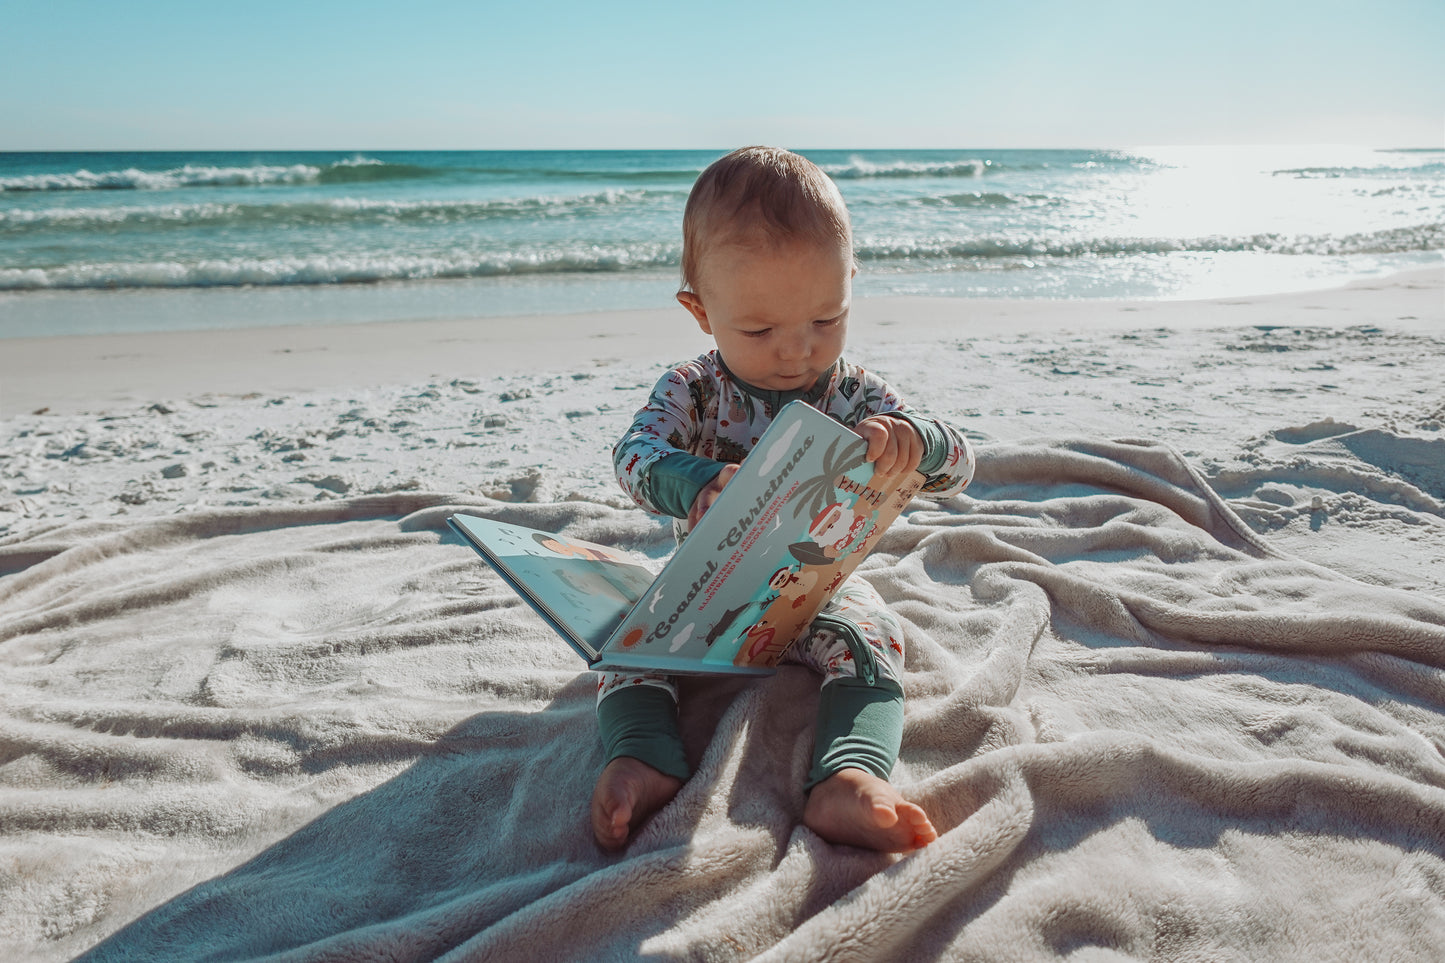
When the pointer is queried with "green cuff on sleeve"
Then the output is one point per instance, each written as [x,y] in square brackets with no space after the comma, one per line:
[640,721]
[674,480]
[860,726]
[935,441]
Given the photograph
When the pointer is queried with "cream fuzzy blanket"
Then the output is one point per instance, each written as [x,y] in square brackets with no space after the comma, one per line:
[329,732]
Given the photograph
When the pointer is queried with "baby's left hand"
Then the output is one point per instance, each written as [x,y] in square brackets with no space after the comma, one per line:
[894,447]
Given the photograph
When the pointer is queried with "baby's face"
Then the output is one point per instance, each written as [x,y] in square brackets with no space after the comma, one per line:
[779,315]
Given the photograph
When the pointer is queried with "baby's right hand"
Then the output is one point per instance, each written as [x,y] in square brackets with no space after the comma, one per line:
[709,494]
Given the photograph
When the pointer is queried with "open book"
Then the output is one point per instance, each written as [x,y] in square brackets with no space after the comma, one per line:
[801,513]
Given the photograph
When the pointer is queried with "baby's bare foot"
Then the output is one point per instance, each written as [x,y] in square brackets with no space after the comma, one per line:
[855,807]
[627,792]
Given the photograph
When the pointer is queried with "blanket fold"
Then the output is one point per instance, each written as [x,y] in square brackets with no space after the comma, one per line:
[329,732]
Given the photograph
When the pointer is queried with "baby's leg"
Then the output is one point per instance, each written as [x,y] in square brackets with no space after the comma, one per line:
[858,646]
[637,718]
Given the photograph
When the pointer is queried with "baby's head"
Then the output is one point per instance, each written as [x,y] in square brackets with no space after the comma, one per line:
[767,265]
[760,196]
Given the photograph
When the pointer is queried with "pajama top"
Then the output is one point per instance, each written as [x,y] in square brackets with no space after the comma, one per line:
[700,417]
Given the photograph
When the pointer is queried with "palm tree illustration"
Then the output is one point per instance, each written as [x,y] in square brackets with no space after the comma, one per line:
[817,492]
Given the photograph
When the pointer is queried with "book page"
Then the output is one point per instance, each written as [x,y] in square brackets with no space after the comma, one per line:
[587,588]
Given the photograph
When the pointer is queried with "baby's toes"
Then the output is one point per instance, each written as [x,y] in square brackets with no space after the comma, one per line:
[918,822]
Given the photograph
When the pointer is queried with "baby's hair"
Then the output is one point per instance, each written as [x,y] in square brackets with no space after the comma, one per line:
[767,189]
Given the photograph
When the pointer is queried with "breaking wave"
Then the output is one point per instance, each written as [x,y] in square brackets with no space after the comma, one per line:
[859,168]
[339,269]
[354,170]
[322,212]
[623,257]
[1423,237]
[1413,170]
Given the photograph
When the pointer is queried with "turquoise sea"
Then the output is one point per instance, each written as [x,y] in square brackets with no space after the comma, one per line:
[94,242]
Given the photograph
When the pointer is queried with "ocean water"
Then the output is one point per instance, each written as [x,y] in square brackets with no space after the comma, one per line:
[95,242]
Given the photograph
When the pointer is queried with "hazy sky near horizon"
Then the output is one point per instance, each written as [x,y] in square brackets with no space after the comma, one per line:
[158,74]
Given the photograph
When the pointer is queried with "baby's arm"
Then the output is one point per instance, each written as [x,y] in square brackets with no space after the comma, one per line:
[654,458]
[947,461]
[948,464]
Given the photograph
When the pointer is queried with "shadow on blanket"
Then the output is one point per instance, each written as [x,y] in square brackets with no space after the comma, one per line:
[481,828]
[330,733]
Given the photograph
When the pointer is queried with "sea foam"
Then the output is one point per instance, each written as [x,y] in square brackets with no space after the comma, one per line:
[135,179]
[351,170]
[857,167]
[335,269]
[1417,238]
[340,210]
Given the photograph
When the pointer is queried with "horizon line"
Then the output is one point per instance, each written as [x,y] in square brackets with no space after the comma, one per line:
[600,150]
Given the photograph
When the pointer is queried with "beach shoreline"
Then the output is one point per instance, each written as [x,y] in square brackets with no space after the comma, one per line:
[72,374]
[1302,408]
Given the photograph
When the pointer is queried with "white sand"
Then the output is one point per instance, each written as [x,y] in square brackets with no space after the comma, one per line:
[238,651]
[527,408]
[99,372]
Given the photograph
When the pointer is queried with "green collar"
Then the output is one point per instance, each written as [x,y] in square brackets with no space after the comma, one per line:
[775,400]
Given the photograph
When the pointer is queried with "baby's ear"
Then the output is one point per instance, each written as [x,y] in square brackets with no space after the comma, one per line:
[694,306]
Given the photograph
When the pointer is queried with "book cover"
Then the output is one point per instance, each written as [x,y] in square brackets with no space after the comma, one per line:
[802,512]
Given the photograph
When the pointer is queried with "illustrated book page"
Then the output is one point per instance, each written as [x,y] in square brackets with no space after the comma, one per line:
[802,512]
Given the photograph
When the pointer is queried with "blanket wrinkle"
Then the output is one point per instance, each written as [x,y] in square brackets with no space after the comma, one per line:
[891,913]
[1148,470]
[328,732]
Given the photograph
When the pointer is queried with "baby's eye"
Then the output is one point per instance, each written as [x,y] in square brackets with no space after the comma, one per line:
[828,322]
[760,333]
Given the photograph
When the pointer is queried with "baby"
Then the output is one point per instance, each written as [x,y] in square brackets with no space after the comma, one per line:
[767,266]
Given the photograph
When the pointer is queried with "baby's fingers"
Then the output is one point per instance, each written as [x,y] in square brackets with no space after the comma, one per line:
[710,493]
[889,461]
[910,451]
[876,436]
[893,446]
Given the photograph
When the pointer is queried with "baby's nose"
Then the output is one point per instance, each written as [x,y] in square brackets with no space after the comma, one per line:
[794,346]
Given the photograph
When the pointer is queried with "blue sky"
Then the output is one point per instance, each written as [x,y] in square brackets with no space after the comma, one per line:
[81,74]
